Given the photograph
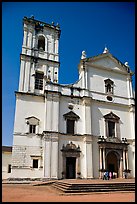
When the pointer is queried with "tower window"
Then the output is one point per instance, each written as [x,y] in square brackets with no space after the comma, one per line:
[70,126]
[41,43]
[39,81]
[32,129]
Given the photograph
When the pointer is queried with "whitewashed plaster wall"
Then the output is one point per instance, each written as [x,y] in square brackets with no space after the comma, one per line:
[78,109]
[98,123]
[27,106]
[96,79]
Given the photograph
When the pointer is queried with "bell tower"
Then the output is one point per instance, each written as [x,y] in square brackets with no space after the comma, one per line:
[39,60]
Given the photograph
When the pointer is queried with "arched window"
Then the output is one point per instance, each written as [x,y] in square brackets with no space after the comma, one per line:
[41,43]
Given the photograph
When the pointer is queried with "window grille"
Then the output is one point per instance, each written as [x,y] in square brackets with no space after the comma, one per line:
[39,81]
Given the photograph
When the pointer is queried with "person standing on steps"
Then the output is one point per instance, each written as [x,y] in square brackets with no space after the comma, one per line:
[110,175]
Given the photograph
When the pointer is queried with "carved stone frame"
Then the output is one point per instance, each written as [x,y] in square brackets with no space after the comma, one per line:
[70,150]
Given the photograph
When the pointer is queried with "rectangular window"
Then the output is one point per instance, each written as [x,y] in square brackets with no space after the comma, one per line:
[32,129]
[39,81]
[35,163]
[9,168]
[70,126]
[111,129]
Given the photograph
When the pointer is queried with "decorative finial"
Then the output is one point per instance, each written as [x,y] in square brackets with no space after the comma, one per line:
[126,64]
[128,67]
[105,50]
[58,25]
[32,17]
[83,56]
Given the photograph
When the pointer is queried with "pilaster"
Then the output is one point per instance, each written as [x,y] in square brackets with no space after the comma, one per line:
[22,75]
[87,105]
[55,112]
[89,157]
[51,155]
[25,37]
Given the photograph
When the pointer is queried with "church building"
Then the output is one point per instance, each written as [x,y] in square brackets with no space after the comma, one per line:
[71,131]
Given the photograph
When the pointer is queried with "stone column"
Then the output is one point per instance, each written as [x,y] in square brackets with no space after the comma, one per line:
[121,168]
[124,167]
[126,159]
[100,161]
[104,163]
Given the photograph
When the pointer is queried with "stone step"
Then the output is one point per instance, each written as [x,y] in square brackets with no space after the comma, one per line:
[103,187]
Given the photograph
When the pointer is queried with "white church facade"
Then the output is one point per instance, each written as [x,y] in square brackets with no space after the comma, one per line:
[71,131]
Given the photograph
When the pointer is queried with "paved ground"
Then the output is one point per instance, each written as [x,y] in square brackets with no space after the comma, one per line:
[30,193]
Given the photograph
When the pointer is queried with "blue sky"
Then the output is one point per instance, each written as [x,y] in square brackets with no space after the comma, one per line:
[85,26]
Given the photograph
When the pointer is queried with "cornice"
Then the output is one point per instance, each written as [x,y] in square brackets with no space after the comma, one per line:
[28,93]
[29,57]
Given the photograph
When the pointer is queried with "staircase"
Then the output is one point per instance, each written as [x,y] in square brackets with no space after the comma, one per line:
[67,187]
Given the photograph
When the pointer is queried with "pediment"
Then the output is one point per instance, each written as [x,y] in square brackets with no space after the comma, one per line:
[71,115]
[32,120]
[111,116]
[70,147]
[108,61]
[113,140]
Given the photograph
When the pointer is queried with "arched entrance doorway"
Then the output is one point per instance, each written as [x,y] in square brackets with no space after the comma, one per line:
[113,163]
[71,161]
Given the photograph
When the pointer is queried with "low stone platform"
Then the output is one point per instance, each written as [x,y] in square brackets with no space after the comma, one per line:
[94,185]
